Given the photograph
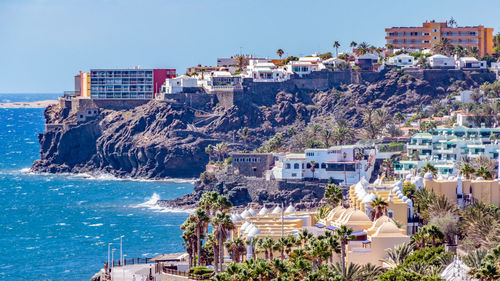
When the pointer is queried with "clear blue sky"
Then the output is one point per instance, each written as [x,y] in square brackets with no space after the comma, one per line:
[43,43]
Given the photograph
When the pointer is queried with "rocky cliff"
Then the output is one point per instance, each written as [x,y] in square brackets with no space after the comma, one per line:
[161,139]
[242,191]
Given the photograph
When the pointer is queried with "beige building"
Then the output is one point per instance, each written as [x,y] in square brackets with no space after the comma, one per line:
[400,208]
[464,191]
[371,239]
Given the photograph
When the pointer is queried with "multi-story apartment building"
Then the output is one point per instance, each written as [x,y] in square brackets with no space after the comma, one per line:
[431,32]
[445,147]
[127,83]
[342,164]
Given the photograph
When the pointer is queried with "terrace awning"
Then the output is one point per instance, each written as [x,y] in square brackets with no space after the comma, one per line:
[320,225]
[358,233]
[331,227]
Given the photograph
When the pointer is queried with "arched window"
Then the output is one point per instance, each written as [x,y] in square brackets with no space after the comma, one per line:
[296,166]
[308,165]
[287,166]
[323,166]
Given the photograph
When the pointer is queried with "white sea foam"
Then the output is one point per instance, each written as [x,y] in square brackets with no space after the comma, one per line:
[152,204]
[62,224]
[96,224]
[105,177]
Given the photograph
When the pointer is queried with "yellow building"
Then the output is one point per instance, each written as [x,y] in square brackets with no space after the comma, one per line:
[85,84]
[371,239]
[462,191]
[399,208]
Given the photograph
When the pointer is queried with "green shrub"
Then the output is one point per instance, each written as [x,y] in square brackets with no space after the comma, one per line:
[409,189]
[200,270]
[428,255]
[207,177]
[402,274]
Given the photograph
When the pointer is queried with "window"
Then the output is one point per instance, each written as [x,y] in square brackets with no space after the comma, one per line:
[294,175]
[390,214]
[296,166]
[323,166]
[287,166]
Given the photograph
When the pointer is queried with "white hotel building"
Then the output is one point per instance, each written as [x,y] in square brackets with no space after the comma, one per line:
[339,163]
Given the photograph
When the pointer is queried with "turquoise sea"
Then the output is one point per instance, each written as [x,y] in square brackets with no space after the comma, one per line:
[57,227]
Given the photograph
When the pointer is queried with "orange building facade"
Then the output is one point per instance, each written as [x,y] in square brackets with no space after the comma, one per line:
[431,32]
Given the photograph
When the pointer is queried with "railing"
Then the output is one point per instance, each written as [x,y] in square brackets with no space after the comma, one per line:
[129,262]
[187,274]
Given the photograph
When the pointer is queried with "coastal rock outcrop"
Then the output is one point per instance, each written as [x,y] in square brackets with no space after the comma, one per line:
[162,139]
[242,191]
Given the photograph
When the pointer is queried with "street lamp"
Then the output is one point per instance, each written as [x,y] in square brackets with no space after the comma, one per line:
[109,245]
[112,257]
[121,249]
[123,269]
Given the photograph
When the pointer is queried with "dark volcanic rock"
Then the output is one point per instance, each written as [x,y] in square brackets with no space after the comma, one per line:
[242,191]
[157,140]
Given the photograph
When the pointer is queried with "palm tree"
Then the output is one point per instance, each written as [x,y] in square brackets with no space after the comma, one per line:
[222,224]
[244,135]
[189,237]
[474,51]
[327,136]
[319,250]
[240,62]
[342,132]
[390,47]
[304,238]
[312,167]
[397,255]
[280,52]
[363,48]
[202,70]
[201,218]
[344,234]
[388,166]
[333,194]
[484,173]
[336,45]
[458,51]
[267,244]
[379,207]
[466,170]
[280,245]
[399,117]
[222,203]
[221,150]
[443,46]
[434,233]
[353,45]
[333,244]
[429,168]
[210,149]
[236,249]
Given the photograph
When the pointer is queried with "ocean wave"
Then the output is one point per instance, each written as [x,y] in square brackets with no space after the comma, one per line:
[101,176]
[96,224]
[152,204]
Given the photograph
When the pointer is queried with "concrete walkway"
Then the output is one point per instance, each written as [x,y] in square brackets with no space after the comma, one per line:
[135,272]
